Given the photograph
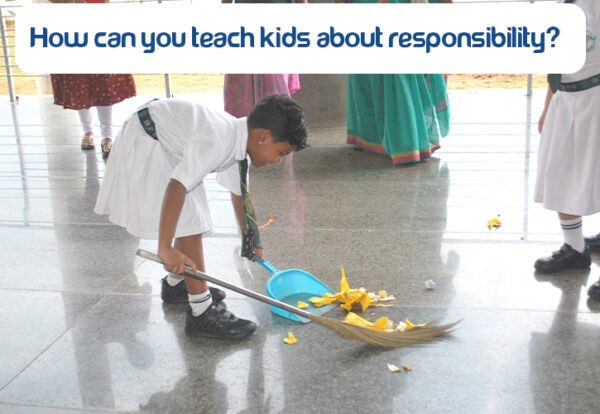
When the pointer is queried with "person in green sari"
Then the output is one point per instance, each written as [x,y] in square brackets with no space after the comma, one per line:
[401,115]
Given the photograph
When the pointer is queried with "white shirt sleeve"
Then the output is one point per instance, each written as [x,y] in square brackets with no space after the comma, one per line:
[230,179]
[200,158]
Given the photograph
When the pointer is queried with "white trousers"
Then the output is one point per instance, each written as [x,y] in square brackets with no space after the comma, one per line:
[105,116]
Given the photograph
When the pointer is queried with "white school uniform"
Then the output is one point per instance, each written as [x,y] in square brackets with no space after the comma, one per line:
[568,173]
[193,141]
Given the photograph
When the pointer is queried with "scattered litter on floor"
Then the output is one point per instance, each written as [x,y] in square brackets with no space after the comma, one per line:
[393,367]
[494,223]
[429,284]
[302,305]
[271,220]
[352,299]
[291,339]
[406,368]
[359,300]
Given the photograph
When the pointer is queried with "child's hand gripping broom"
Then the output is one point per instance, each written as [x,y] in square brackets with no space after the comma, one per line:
[415,336]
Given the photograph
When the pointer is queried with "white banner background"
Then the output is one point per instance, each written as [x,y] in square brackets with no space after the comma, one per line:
[65,20]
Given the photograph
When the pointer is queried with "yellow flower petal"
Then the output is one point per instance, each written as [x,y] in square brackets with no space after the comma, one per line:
[384,323]
[344,286]
[302,305]
[410,326]
[318,302]
[347,306]
[291,339]
[393,367]
[365,301]
[354,319]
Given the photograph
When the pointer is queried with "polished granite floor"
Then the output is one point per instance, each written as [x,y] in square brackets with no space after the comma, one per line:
[83,328]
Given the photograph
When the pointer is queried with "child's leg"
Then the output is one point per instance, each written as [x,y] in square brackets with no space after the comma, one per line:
[198,295]
[191,246]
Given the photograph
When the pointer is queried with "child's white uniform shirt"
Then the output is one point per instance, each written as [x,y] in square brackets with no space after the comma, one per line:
[193,141]
[201,140]
[591,66]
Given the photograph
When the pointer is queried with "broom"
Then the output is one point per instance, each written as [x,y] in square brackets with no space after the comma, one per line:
[394,339]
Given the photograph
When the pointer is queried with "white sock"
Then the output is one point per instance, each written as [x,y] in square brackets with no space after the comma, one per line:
[173,279]
[573,233]
[200,302]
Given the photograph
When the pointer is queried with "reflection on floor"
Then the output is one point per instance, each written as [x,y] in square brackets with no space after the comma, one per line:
[84,329]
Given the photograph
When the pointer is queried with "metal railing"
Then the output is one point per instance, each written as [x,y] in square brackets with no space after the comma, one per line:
[7,13]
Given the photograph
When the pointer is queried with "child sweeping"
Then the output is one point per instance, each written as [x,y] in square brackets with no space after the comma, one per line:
[153,186]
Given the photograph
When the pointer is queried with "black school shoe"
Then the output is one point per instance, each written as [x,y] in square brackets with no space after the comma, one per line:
[219,323]
[564,259]
[179,294]
[594,291]
[593,243]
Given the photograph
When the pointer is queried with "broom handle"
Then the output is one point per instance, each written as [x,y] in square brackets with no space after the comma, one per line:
[246,292]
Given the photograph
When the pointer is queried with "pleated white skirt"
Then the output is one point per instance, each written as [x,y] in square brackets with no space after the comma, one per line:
[568,173]
[137,173]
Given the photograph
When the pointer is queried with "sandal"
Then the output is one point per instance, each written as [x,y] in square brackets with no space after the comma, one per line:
[106,147]
[87,142]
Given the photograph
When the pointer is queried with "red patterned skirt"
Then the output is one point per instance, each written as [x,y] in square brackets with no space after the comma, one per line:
[80,91]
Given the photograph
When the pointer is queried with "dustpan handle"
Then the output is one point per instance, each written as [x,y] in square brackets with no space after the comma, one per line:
[246,292]
[267,265]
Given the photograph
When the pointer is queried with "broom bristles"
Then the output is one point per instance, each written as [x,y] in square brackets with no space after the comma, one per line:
[395,339]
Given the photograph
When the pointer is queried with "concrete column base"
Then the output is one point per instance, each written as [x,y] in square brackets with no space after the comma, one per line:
[323,98]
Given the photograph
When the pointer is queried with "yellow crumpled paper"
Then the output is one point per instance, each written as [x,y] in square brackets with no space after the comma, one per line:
[382,324]
[291,339]
[302,305]
[494,223]
[352,299]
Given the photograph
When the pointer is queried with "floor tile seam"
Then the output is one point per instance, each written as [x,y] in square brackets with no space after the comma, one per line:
[57,407]
[57,291]
[493,123]
[407,231]
[45,224]
[490,152]
[484,133]
[473,309]
[51,224]
[37,357]
[41,124]
[431,181]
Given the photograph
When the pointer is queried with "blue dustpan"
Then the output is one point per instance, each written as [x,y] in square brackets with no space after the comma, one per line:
[290,286]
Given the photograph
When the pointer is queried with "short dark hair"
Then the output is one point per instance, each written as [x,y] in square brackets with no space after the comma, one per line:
[283,117]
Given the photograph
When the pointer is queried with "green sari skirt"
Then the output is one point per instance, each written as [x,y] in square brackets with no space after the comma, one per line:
[403,116]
